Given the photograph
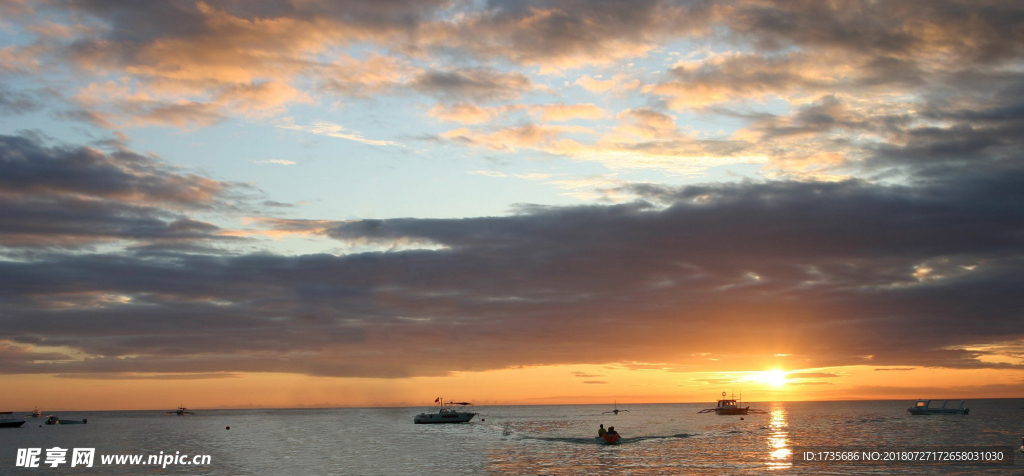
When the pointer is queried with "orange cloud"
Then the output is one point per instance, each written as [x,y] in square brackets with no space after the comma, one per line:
[465,113]
[512,138]
[565,112]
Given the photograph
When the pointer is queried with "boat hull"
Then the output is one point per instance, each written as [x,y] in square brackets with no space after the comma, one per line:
[450,417]
[732,411]
[11,423]
[935,411]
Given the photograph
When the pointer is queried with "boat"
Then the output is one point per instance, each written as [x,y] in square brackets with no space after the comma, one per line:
[53,420]
[610,438]
[730,406]
[616,410]
[923,407]
[181,411]
[606,440]
[7,420]
[35,413]
[445,413]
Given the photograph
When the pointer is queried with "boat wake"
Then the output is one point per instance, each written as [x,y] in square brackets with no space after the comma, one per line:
[595,440]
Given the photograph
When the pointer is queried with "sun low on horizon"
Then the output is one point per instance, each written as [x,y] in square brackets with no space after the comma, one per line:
[226,204]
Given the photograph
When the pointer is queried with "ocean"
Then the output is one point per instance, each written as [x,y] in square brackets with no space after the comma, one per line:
[528,440]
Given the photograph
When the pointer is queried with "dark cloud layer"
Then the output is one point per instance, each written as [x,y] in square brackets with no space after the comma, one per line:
[75,196]
[833,273]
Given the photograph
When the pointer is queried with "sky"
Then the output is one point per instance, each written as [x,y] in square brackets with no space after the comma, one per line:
[318,203]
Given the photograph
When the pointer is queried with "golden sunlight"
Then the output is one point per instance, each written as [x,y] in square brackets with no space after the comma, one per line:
[775,378]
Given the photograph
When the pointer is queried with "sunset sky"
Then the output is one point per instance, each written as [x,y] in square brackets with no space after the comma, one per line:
[303,203]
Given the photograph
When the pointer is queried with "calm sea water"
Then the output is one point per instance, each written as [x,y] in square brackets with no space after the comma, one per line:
[555,440]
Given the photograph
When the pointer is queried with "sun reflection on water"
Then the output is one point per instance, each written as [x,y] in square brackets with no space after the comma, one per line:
[779,452]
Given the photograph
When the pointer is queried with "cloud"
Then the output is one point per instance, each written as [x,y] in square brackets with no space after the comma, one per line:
[566,112]
[808,375]
[337,131]
[936,29]
[595,85]
[261,99]
[275,161]
[467,113]
[30,168]
[644,139]
[73,196]
[512,138]
[558,35]
[829,272]
[473,84]
[376,74]
[14,103]
[739,77]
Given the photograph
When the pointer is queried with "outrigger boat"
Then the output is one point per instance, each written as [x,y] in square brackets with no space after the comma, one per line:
[923,407]
[445,413]
[729,406]
[181,411]
[616,410]
[53,420]
[7,420]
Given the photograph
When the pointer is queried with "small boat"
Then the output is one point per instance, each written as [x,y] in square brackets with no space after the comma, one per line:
[181,411]
[923,407]
[53,420]
[7,420]
[729,406]
[445,413]
[35,413]
[610,438]
[616,410]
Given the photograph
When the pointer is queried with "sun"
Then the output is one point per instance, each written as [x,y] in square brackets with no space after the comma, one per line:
[775,378]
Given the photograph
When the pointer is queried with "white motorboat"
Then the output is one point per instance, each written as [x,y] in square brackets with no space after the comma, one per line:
[181,411]
[923,407]
[445,413]
[7,420]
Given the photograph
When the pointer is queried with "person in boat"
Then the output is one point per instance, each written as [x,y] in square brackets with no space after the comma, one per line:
[611,436]
[601,431]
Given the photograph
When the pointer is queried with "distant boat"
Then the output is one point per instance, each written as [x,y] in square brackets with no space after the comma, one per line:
[7,420]
[729,406]
[445,413]
[923,407]
[181,411]
[35,413]
[616,410]
[53,420]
